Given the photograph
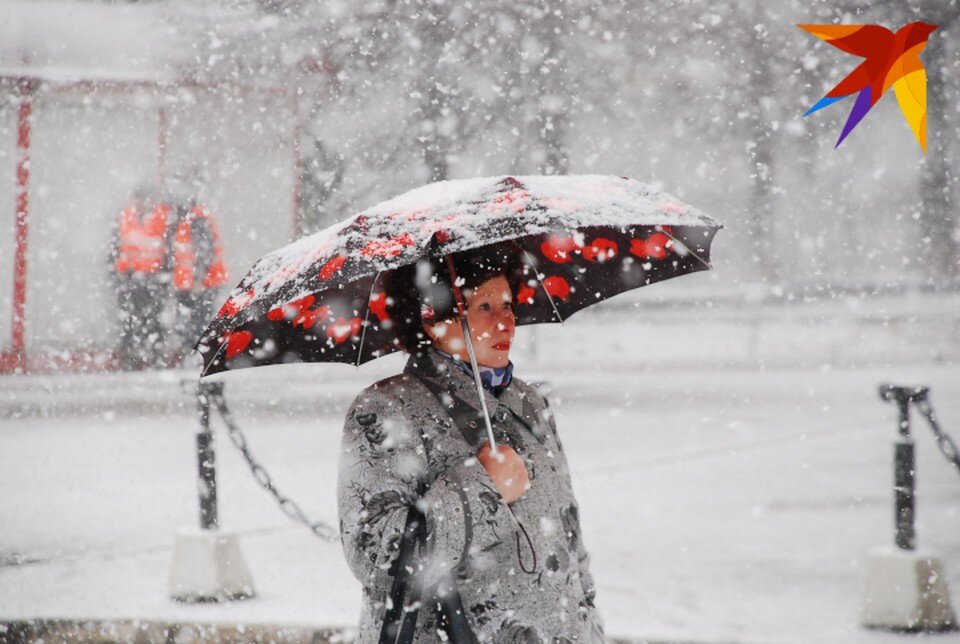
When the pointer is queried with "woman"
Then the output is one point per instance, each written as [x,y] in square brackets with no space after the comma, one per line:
[501,532]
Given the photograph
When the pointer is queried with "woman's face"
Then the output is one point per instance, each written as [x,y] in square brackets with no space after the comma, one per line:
[492,323]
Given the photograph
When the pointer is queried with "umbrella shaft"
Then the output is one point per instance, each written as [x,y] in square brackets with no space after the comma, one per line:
[468,338]
[476,377]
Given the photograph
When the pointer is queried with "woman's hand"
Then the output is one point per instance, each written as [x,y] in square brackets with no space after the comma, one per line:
[507,470]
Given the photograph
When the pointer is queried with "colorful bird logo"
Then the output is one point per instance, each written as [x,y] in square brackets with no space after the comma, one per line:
[891,59]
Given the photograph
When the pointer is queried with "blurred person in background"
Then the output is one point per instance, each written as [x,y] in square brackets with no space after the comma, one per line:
[138,259]
[198,268]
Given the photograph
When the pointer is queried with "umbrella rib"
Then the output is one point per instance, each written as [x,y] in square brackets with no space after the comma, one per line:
[214,358]
[366,318]
[677,241]
[527,256]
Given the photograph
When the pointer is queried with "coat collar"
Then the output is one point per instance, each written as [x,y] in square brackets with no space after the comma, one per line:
[443,374]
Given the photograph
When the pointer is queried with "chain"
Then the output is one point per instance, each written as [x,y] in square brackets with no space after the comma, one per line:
[262,477]
[944,441]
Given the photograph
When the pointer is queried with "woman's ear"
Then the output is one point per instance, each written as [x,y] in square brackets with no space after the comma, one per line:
[428,329]
[446,335]
[438,330]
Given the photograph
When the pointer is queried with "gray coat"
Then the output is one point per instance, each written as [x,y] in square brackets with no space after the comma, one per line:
[521,570]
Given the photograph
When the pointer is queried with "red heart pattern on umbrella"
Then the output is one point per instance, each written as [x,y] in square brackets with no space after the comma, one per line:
[321,298]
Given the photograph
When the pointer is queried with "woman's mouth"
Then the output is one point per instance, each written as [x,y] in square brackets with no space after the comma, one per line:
[501,346]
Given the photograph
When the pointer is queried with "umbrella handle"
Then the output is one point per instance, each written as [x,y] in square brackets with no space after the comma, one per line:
[462,311]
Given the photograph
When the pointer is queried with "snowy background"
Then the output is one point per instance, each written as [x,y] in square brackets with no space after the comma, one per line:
[723,499]
[732,458]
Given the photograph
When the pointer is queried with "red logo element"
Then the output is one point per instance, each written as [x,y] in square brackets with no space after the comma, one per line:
[557,287]
[281,275]
[343,329]
[410,215]
[655,246]
[332,266]
[300,313]
[673,208]
[233,305]
[361,223]
[525,295]
[237,341]
[439,228]
[892,60]
[600,250]
[378,305]
[292,309]
[308,319]
[515,200]
[387,248]
[559,250]
[289,270]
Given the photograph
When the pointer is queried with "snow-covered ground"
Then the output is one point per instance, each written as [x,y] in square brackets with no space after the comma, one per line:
[719,504]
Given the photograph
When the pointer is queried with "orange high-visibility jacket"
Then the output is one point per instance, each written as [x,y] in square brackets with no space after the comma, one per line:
[141,240]
[184,253]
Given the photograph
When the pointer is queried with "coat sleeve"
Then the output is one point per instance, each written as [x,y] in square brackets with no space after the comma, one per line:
[383,470]
[380,470]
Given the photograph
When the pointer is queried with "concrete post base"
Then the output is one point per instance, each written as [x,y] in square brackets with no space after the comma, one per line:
[906,590]
[208,567]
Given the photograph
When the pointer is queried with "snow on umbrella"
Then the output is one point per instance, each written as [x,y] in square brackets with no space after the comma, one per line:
[321,298]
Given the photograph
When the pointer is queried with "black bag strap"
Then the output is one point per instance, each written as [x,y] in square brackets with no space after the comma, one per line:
[393,629]
[399,624]
[453,618]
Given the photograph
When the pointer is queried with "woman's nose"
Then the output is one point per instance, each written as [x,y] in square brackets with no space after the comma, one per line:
[506,321]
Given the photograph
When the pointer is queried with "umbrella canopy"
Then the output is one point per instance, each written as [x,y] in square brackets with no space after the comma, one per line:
[321,299]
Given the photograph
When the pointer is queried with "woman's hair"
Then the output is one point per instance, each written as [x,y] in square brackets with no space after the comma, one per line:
[425,287]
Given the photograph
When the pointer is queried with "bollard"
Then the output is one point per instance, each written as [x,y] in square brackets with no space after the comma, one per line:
[903,487]
[206,458]
[903,467]
[906,589]
[207,563]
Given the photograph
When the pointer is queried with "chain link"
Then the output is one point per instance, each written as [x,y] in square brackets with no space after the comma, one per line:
[287,505]
[944,441]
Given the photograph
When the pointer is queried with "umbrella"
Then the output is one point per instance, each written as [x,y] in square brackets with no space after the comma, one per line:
[587,238]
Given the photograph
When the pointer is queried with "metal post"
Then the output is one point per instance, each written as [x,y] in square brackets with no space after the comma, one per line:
[208,564]
[25,89]
[904,465]
[162,151]
[903,487]
[903,483]
[206,457]
[906,589]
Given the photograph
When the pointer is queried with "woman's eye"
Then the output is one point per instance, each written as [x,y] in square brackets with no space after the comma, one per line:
[484,307]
